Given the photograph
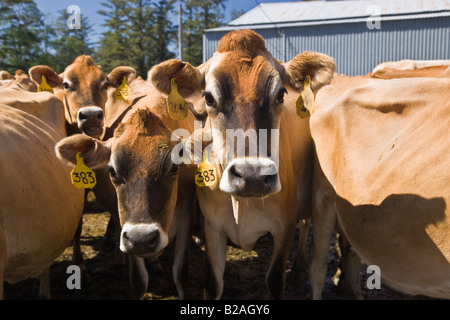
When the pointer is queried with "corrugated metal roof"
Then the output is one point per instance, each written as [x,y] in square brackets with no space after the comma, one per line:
[318,12]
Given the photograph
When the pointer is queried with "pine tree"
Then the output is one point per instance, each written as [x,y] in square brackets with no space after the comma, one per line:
[198,16]
[21,26]
[140,34]
[140,21]
[70,43]
[164,33]
[113,48]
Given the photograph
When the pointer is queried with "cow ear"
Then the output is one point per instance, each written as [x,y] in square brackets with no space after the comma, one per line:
[95,153]
[318,66]
[53,79]
[189,79]
[116,76]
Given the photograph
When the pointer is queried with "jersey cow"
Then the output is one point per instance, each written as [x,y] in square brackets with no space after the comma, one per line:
[244,91]
[426,72]
[408,64]
[40,208]
[383,148]
[155,199]
[83,89]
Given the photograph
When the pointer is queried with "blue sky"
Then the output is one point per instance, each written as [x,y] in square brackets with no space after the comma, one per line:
[90,8]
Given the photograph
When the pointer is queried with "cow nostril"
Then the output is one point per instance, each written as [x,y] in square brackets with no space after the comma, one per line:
[153,238]
[234,173]
[100,116]
[125,235]
[82,116]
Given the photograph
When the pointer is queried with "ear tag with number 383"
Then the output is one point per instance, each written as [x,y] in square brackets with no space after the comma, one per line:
[205,175]
[82,177]
[305,103]
[44,86]
[177,107]
[123,91]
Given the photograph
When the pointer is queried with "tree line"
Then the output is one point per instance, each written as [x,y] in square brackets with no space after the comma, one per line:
[138,33]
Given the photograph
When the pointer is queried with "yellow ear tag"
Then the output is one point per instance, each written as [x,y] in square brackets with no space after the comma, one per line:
[305,103]
[177,107]
[123,91]
[205,175]
[44,86]
[82,177]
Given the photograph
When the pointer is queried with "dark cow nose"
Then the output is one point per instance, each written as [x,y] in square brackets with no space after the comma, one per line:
[140,239]
[90,121]
[250,178]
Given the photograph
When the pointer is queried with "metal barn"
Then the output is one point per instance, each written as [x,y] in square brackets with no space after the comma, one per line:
[357,34]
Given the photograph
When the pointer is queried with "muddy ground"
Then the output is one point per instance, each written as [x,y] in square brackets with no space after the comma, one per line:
[244,273]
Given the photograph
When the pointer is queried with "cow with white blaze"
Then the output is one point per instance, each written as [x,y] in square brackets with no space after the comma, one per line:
[153,196]
[244,90]
[83,89]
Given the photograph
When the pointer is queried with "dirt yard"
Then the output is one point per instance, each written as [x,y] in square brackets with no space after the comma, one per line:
[244,273]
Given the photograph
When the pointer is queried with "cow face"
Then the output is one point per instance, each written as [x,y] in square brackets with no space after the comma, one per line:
[141,170]
[243,89]
[83,89]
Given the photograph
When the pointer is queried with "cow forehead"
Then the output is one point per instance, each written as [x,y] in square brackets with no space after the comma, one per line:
[251,77]
[145,153]
[84,73]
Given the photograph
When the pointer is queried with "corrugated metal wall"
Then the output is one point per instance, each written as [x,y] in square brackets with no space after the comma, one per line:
[355,48]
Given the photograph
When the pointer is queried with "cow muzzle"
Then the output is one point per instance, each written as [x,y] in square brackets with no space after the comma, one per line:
[91,121]
[144,240]
[250,178]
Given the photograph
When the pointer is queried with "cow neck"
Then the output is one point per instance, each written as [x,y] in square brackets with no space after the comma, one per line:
[71,127]
[66,107]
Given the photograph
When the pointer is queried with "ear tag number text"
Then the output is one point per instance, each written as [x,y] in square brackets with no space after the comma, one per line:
[123,91]
[82,177]
[205,175]
[177,107]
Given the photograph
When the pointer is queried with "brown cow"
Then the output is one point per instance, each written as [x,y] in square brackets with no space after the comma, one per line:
[155,201]
[40,208]
[382,146]
[427,72]
[407,64]
[22,82]
[244,90]
[83,89]
[5,75]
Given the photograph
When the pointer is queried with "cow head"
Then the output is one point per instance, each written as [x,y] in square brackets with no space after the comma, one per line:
[243,88]
[83,89]
[141,170]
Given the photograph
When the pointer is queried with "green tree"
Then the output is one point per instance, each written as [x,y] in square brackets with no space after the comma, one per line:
[199,15]
[140,21]
[21,26]
[139,34]
[70,43]
[164,32]
[113,47]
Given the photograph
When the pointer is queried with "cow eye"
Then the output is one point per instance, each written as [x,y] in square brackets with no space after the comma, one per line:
[209,99]
[105,86]
[66,85]
[280,96]
[173,169]
[113,175]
